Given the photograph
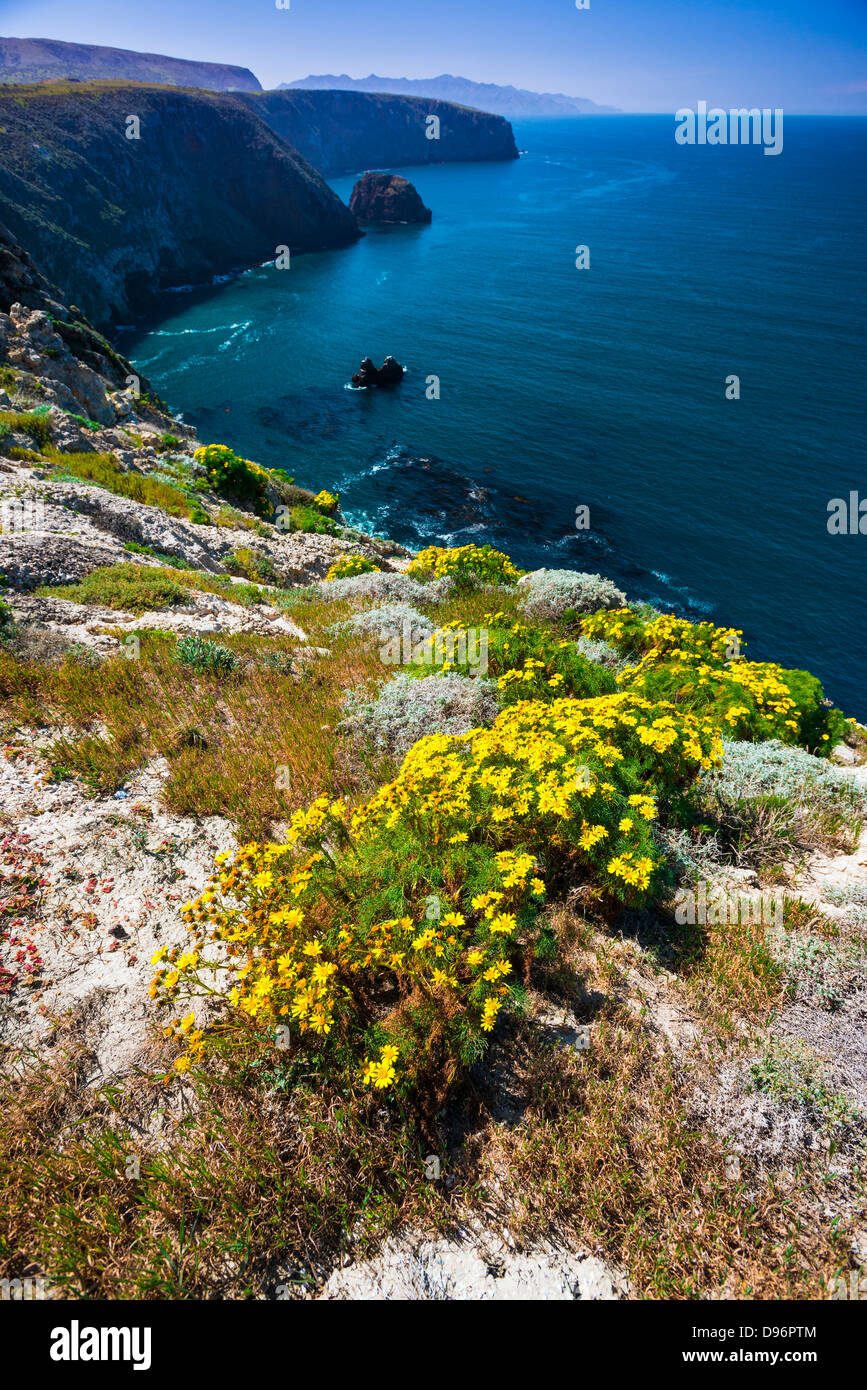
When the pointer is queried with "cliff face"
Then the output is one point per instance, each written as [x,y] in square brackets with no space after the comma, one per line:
[206,188]
[341,132]
[22,283]
[47,60]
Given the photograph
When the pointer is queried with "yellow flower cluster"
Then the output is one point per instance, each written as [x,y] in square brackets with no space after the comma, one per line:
[577,779]
[326,501]
[381,1073]
[350,565]
[702,666]
[464,561]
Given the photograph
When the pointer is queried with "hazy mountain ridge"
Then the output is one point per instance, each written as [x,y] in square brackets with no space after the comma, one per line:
[484,96]
[50,60]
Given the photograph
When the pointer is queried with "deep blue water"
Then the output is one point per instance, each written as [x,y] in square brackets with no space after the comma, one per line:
[602,387]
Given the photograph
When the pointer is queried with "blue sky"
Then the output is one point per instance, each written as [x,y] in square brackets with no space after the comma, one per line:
[640,55]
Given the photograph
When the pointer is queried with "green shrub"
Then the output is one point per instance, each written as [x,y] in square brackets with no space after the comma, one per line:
[528,663]
[132,588]
[254,566]
[234,476]
[312,521]
[204,655]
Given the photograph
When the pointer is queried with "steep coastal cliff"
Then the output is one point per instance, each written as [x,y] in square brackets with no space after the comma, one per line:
[122,190]
[342,132]
[205,187]
[47,60]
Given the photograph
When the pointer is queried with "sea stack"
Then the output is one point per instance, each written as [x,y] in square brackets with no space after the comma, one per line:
[389,374]
[387,198]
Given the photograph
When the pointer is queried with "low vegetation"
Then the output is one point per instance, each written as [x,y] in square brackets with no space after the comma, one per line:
[432,860]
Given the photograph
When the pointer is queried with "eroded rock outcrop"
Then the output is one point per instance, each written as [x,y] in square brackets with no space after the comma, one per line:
[368,374]
[387,198]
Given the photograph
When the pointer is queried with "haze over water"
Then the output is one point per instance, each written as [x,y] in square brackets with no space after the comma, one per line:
[602,387]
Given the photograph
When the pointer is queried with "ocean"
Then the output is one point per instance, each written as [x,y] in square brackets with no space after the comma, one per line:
[535,388]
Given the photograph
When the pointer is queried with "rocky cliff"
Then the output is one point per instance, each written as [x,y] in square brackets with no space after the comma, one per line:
[120,190]
[81,365]
[46,60]
[341,132]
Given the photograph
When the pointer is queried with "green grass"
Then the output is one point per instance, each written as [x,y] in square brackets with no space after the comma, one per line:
[171,560]
[133,588]
[33,423]
[312,521]
[103,470]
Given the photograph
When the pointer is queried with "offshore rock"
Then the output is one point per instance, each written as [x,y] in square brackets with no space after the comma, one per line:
[389,374]
[387,198]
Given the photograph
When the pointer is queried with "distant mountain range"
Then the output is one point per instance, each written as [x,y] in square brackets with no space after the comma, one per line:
[47,60]
[486,96]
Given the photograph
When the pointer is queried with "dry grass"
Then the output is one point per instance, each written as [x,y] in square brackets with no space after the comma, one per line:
[606,1155]
[252,1188]
[253,745]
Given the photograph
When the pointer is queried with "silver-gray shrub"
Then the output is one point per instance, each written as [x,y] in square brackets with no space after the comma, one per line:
[769,799]
[756,770]
[408,708]
[548,594]
[602,653]
[387,622]
[388,587]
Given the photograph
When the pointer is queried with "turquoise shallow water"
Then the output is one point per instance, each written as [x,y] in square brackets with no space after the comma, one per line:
[603,387]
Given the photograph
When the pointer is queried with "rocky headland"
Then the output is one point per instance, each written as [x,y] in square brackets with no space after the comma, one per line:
[122,190]
[342,132]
